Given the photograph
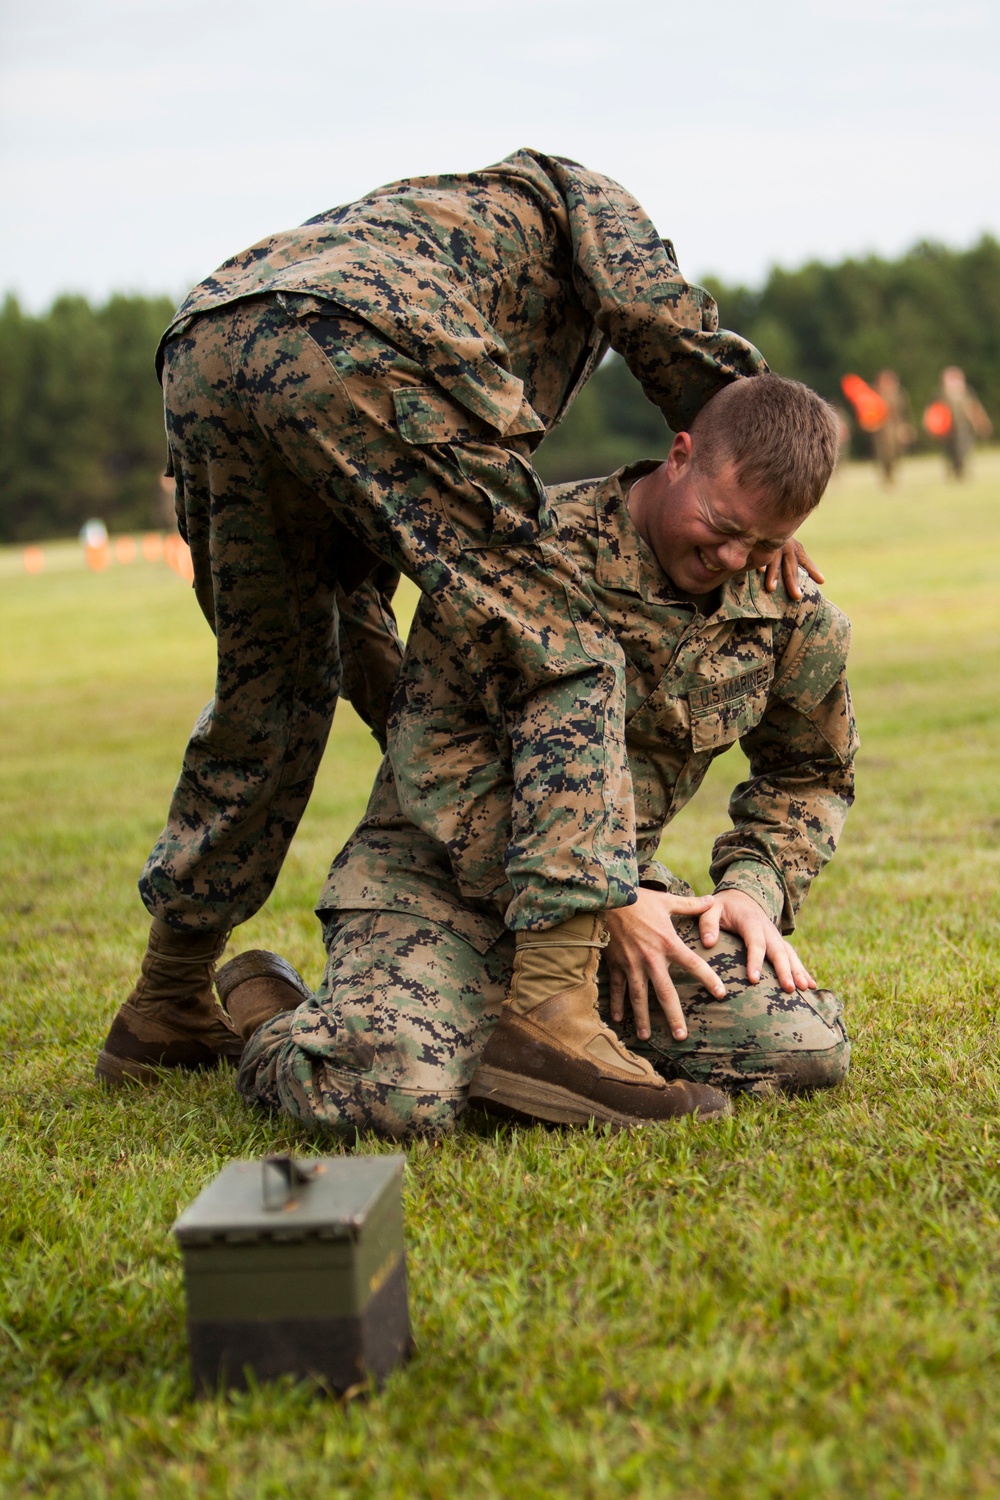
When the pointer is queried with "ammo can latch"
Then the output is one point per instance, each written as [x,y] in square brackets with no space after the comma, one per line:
[293,1174]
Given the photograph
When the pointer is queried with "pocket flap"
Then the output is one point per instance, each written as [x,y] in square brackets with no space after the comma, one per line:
[723,711]
[424,414]
[815,658]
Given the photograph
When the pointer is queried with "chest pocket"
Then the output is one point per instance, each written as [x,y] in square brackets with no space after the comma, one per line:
[660,720]
[723,711]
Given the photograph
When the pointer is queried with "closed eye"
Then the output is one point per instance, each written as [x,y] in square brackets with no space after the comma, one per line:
[752,543]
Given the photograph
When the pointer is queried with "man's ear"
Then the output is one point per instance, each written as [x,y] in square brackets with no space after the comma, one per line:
[679,457]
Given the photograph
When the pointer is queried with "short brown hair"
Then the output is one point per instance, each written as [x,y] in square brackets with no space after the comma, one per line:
[781,436]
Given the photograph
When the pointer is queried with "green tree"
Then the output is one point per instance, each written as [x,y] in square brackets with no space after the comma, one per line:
[81,431]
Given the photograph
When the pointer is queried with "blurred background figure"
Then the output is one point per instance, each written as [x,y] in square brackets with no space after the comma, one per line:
[896,433]
[957,419]
[883,411]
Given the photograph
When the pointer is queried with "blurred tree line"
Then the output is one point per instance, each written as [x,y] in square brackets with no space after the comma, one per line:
[81,421]
[81,429]
[933,307]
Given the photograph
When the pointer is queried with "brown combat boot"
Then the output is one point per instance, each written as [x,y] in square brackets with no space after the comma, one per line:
[550,1057]
[256,986]
[172,1018]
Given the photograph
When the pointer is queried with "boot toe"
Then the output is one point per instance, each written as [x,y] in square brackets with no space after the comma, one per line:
[140,1044]
[528,1073]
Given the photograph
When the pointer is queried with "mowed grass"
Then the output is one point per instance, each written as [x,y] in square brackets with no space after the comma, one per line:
[801,1300]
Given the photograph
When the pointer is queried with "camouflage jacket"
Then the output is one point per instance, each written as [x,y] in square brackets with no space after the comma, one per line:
[761,670]
[506,286]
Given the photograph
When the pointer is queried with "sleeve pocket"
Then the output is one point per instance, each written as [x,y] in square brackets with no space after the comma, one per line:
[814,660]
[425,414]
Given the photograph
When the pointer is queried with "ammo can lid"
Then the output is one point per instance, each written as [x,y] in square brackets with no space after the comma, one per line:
[332,1203]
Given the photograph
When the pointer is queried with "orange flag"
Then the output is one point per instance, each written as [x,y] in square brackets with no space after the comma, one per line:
[870,409]
[937,419]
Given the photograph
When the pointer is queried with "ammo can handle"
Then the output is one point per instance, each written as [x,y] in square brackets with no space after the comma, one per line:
[294,1174]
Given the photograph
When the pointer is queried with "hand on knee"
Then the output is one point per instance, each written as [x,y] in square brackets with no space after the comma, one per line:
[736,912]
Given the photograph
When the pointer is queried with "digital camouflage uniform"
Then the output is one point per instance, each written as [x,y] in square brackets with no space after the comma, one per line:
[413,908]
[371,386]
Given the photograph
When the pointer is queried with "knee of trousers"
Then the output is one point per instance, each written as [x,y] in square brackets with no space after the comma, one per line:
[280,1076]
[757,1038]
[344,1103]
[390,1041]
[758,1033]
[794,1071]
[807,1072]
[795,1044]
[349,1104]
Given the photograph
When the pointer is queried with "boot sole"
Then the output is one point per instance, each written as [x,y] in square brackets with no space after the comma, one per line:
[513,1095]
[117,1071]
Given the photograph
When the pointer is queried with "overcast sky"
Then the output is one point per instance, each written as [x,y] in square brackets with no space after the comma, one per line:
[142,142]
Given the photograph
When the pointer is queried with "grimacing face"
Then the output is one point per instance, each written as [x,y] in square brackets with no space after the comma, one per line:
[704,528]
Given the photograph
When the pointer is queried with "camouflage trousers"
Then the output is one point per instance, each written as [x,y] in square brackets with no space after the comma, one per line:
[391,1039]
[304,449]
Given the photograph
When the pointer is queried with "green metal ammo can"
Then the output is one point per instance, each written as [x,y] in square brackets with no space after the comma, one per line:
[297,1268]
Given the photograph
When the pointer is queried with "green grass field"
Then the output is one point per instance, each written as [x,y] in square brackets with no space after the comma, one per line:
[801,1300]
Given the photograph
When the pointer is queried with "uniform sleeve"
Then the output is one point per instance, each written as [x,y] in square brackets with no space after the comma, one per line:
[788,816]
[666,329]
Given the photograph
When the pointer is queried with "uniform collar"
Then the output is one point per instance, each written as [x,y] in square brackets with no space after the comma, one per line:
[626,564]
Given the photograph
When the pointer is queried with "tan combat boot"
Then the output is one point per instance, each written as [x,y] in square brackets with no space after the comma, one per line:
[551,1058]
[172,1018]
[256,986]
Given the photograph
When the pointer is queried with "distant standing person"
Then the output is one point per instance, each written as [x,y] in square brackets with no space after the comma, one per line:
[896,433]
[957,418]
